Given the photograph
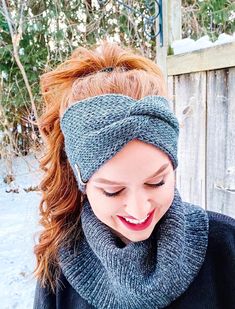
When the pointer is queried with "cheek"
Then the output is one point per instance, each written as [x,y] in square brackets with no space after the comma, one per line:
[102,207]
[165,195]
[169,197]
[169,194]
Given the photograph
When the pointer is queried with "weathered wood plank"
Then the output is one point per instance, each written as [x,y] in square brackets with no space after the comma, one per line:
[221,141]
[190,109]
[170,90]
[215,57]
[171,97]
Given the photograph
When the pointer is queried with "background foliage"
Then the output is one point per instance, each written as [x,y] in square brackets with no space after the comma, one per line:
[51,30]
[209,17]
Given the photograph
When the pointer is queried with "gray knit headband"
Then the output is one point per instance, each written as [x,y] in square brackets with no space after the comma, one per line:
[96,128]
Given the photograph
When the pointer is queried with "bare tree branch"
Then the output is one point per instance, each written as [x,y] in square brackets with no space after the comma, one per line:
[16,37]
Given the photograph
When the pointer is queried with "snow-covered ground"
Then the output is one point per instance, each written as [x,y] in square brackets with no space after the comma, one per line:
[188,45]
[18,227]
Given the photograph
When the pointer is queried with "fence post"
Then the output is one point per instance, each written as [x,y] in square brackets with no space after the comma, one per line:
[175,22]
[171,27]
[162,50]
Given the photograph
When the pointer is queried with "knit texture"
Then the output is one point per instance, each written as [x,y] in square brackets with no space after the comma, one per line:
[95,129]
[147,274]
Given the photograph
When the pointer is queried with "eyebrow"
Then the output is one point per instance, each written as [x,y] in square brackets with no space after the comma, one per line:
[110,182]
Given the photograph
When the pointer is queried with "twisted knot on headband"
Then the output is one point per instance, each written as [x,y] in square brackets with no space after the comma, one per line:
[96,128]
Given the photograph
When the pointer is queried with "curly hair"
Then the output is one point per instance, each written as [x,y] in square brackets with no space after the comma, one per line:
[77,78]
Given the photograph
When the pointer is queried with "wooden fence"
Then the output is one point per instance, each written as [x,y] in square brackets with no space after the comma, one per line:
[201,85]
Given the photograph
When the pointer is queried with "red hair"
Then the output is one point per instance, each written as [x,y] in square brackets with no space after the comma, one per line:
[74,80]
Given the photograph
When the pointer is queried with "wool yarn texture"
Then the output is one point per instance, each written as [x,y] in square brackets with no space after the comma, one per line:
[96,128]
[147,274]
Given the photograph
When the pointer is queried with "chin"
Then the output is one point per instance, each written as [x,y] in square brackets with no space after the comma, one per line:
[136,238]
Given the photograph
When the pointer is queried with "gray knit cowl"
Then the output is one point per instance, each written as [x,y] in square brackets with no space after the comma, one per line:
[147,274]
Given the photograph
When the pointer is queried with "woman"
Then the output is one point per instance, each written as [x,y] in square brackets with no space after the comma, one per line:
[116,231]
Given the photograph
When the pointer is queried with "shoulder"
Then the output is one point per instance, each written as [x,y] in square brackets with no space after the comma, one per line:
[221,230]
[44,298]
[63,297]
[219,218]
[221,225]
[221,240]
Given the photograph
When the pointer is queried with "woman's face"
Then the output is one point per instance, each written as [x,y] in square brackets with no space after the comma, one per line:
[125,188]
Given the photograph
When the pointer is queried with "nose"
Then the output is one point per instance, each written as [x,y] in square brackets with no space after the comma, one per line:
[138,205]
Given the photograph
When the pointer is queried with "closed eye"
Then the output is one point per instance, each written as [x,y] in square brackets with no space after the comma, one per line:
[148,184]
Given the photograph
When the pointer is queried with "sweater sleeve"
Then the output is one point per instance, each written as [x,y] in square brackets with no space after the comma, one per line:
[44,299]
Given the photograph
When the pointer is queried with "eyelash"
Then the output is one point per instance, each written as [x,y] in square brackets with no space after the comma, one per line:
[151,185]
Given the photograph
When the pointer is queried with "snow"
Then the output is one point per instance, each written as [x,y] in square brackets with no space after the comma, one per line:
[18,227]
[188,45]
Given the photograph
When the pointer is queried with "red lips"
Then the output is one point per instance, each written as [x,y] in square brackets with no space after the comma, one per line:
[137,227]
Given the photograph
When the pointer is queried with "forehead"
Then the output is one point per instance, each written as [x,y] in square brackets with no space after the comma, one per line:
[136,159]
[137,151]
